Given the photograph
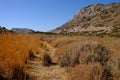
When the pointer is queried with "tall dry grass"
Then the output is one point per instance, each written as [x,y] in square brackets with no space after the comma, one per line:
[14,51]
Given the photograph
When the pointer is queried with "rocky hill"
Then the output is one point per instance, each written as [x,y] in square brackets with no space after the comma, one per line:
[22,30]
[94,19]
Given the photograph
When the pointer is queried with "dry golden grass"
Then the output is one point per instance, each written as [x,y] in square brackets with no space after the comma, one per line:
[105,51]
[91,71]
[14,51]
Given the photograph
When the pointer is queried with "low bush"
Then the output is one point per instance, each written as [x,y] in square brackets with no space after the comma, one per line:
[46,61]
[69,57]
[86,52]
[103,54]
[92,53]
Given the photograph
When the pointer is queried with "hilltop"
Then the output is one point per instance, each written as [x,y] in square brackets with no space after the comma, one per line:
[22,30]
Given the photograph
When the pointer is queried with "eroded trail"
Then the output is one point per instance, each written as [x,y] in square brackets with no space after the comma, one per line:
[39,72]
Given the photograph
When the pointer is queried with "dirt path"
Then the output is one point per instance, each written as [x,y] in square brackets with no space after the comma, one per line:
[39,72]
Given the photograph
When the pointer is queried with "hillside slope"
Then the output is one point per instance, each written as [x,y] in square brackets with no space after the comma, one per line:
[96,18]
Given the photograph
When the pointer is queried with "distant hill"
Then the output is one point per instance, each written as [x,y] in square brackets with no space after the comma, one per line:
[4,30]
[22,30]
[94,19]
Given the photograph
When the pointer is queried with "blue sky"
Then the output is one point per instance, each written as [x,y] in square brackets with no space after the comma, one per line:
[42,15]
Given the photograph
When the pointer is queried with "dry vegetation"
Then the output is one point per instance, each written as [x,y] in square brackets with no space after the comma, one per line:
[14,52]
[91,71]
[84,58]
[87,56]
